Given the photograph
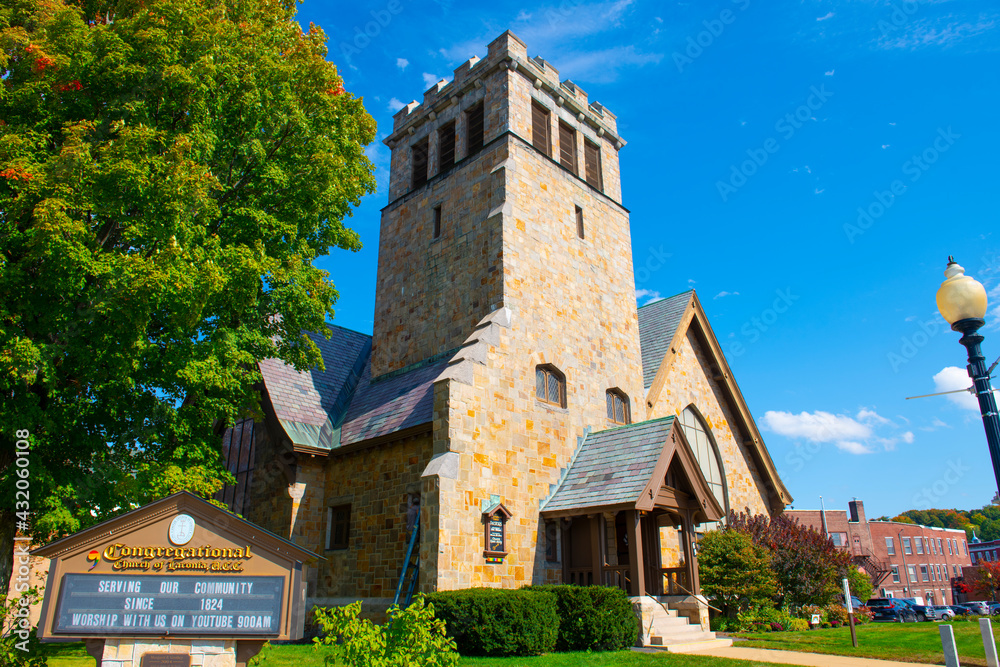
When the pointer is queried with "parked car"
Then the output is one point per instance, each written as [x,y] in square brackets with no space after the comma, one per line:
[978,607]
[934,613]
[889,609]
[960,610]
[994,608]
[855,602]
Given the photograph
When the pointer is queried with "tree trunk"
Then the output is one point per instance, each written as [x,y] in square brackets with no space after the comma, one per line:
[6,549]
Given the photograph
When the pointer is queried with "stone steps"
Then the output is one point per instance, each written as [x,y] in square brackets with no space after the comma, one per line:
[664,628]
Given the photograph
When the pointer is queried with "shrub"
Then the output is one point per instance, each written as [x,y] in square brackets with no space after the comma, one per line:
[798,625]
[863,615]
[777,627]
[19,645]
[499,622]
[593,618]
[411,638]
[808,610]
[836,613]
[735,571]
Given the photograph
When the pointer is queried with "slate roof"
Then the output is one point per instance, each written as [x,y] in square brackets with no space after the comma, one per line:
[391,403]
[342,405]
[308,397]
[612,466]
[658,323]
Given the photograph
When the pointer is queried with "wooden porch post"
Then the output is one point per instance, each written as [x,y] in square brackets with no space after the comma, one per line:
[689,557]
[596,549]
[636,565]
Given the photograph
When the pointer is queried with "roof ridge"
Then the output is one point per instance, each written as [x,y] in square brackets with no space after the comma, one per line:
[642,423]
[331,325]
[667,298]
[423,363]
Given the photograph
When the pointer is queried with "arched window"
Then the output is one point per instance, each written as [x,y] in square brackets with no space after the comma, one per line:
[618,408]
[550,386]
[699,436]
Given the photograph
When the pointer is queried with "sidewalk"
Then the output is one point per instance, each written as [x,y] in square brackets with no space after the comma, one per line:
[797,658]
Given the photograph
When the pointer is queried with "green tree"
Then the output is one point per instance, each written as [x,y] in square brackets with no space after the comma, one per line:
[735,571]
[169,171]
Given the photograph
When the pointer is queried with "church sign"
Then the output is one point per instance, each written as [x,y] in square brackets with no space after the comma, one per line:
[179,567]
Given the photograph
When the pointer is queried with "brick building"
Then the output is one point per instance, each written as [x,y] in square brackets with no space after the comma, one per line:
[987,551]
[511,389]
[903,559]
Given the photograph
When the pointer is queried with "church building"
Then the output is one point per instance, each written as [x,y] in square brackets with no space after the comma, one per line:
[512,401]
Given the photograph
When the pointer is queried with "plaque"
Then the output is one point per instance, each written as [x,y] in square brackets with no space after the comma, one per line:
[165,660]
[495,525]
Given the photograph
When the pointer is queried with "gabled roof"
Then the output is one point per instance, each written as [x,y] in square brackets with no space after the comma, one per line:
[321,411]
[658,323]
[392,403]
[663,325]
[624,468]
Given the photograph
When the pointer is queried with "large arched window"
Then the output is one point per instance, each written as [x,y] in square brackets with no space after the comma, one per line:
[699,436]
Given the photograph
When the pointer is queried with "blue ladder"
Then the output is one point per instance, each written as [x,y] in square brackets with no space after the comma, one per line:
[411,566]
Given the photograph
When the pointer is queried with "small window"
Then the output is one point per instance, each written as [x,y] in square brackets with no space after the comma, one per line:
[895,574]
[551,542]
[592,164]
[437,221]
[940,547]
[550,386]
[446,147]
[949,547]
[890,546]
[618,407]
[923,573]
[912,570]
[907,549]
[919,543]
[579,222]
[540,130]
[340,526]
[474,129]
[419,162]
[567,146]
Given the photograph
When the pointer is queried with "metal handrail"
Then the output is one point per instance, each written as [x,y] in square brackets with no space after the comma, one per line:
[695,596]
[408,561]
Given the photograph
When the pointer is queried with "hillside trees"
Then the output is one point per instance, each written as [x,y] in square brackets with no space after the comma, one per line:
[169,171]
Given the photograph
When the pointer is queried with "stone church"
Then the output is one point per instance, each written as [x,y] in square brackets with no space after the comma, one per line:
[512,400]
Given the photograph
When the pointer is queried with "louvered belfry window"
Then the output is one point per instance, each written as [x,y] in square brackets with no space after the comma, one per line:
[592,164]
[446,147]
[540,130]
[419,160]
[550,386]
[567,146]
[474,129]
[618,408]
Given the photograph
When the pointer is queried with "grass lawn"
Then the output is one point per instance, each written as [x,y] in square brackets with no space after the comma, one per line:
[74,655]
[909,642]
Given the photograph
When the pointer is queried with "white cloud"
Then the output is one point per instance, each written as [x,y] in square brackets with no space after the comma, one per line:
[603,66]
[854,435]
[884,146]
[395,105]
[402,63]
[691,281]
[871,417]
[724,293]
[648,294]
[816,426]
[430,79]
[819,191]
[926,33]
[830,73]
[825,17]
[951,378]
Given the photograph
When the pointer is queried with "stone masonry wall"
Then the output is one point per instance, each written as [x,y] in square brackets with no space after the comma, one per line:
[376,482]
[572,305]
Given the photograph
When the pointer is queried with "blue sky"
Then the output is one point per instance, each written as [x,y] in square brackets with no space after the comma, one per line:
[824,156]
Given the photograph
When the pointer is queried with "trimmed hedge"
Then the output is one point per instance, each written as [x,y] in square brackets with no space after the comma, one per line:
[593,618]
[499,622]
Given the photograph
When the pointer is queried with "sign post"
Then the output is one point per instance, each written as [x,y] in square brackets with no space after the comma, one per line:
[850,611]
[177,583]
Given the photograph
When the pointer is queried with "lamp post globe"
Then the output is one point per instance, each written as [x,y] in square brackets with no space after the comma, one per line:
[961,300]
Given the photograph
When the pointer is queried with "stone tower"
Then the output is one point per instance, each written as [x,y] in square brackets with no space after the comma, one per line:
[504,192]
[506,249]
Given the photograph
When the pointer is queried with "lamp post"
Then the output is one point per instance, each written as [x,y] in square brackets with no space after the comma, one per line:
[962,302]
